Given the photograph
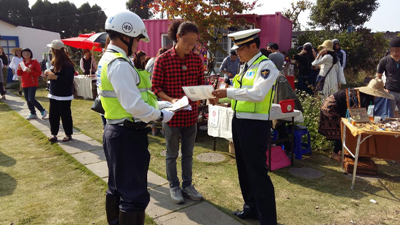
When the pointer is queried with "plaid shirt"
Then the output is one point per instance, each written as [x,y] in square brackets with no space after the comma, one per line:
[169,77]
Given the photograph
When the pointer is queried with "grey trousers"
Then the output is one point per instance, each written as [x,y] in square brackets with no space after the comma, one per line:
[172,135]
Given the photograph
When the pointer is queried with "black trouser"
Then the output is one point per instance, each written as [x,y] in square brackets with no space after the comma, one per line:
[251,144]
[128,161]
[338,146]
[2,91]
[60,109]
[283,134]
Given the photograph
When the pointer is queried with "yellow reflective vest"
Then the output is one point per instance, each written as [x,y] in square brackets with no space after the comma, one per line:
[114,112]
[245,80]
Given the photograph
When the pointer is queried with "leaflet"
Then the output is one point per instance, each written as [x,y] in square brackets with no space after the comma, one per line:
[201,92]
[181,104]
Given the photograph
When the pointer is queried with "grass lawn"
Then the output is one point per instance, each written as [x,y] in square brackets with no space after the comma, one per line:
[325,200]
[40,183]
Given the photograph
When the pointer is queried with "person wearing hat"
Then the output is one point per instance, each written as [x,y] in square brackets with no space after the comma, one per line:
[230,65]
[2,91]
[335,107]
[331,72]
[129,106]
[29,70]
[5,60]
[251,100]
[304,59]
[14,65]
[340,52]
[61,76]
[276,57]
[390,64]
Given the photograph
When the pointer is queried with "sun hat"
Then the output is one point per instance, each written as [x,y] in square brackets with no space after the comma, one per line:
[376,88]
[328,45]
[15,49]
[56,44]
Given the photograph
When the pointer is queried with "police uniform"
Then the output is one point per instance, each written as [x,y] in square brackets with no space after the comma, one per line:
[252,96]
[124,94]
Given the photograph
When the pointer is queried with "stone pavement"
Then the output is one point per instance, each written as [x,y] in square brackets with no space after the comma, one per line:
[90,153]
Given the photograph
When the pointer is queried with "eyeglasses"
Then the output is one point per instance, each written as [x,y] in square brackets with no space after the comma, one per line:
[240,48]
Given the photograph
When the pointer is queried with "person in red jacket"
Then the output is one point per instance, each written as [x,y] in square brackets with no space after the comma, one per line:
[29,70]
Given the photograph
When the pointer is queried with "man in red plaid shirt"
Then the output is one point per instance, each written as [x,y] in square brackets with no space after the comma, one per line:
[177,67]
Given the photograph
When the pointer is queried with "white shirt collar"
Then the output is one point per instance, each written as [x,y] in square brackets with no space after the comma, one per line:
[118,49]
[251,61]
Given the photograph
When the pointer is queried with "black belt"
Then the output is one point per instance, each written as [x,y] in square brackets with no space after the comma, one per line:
[132,125]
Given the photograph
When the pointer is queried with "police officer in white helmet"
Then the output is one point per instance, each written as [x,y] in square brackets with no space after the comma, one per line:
[128,106]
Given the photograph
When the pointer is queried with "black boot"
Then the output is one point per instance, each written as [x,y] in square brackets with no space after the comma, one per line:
[131,218]
[112,209]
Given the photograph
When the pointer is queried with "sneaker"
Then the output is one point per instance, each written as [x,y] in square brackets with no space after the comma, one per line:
[31,117]
[192,193]
[176,195]
[44,113]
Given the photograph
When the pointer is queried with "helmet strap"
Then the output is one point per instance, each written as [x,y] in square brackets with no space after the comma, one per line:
[128,44]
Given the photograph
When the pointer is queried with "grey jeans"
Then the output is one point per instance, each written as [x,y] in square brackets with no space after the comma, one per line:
[395,101]
[172,135]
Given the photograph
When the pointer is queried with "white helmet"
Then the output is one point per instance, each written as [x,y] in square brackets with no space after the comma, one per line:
[127,23]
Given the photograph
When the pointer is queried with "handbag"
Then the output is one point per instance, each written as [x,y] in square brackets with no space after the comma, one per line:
[321,82]
[97,107]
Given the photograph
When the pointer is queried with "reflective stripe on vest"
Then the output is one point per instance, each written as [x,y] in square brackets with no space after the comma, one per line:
[114,112]
[251,110]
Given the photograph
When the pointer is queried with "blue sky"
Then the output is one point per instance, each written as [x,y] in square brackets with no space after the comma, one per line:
[384,19]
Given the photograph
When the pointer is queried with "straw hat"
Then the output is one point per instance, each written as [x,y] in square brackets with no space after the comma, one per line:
[15,49]
[376,88]
[328,45]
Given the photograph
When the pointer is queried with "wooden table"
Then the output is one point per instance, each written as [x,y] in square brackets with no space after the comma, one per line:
[368,143]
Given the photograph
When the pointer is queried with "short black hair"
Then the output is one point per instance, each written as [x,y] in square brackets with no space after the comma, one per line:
[274,46]
[256,40]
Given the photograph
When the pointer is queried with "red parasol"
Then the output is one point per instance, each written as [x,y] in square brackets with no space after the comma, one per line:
[82,42]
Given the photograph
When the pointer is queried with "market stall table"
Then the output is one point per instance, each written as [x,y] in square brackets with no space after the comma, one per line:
[369,143]
[85,86]
[221,126]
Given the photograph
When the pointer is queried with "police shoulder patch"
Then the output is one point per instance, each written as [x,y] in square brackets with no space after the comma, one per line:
[265,73]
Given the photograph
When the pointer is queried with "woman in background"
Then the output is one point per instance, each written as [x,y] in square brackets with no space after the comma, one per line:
[14,65]
[2,92]
[330,69]
[29,70]
[88,63]
[4,58]
[305,58]
[61,76]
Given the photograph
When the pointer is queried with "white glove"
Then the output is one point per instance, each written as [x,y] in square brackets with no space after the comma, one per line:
[167,115]
[164,104]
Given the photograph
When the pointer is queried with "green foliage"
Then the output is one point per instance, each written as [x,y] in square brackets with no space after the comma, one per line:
[63,16]
[311,106]
[213,18]
[294,12]
[140,7]
[16,10]
[363,48]
[342,13]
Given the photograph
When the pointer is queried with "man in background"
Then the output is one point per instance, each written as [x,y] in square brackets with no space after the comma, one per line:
[230,65]
[275,56]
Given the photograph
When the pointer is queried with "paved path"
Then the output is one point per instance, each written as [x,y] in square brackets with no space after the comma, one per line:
[90,153]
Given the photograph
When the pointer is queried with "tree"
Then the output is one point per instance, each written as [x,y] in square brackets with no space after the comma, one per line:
[16,10]
[213,17]
[342,13]
[294,12]
[140,7]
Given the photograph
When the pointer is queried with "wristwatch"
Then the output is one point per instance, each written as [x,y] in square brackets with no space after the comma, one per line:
[161,117]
